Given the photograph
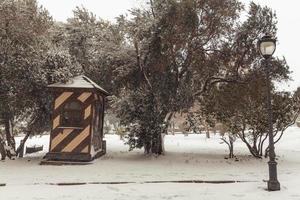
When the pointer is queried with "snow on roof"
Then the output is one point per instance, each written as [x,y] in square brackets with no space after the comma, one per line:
[82,82]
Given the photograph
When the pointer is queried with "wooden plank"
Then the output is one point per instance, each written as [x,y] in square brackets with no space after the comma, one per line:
[62,163]
[85,150]
[56,122]
[68,157]
[87,111]
[60,137]
[81,147]
[62,98]
[75,142]
[84,96]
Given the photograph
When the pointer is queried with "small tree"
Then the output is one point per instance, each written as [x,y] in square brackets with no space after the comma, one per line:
[144,122]
[240,104]
[229,141]
[242,108]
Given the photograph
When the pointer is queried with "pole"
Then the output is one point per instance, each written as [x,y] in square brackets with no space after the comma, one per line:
[273,183]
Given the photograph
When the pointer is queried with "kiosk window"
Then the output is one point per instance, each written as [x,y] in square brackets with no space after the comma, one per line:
[72,114]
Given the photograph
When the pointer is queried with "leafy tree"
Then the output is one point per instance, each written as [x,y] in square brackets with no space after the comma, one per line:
[145,123]
[28,64]
[182,50]
[23,26]
[100,47]
[242,109]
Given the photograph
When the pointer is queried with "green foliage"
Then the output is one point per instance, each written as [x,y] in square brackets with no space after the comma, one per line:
[28,63]
[23,31]
[184,48]
[99,46]
[241,106]
[242,109]
[144,121]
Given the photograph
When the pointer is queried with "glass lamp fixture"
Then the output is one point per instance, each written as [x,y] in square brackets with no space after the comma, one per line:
[267,46]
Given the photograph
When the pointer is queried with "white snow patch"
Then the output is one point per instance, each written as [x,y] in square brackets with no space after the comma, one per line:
[187,158]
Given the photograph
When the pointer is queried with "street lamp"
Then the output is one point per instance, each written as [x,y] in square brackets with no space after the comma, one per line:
[267,47]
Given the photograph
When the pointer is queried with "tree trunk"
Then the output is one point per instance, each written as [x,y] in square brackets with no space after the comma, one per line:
[147,147]
[20,149]
[207,134]
[252,149]
[230,146]
[256,151]
[9,134]
[157,145]
[2,149]
[231,155]
[158,141]
[206,127]
[173,128]
[20,153]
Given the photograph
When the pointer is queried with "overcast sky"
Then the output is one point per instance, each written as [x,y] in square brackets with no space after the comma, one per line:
[287,12]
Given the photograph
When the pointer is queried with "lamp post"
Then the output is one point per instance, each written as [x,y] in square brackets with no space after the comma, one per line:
[267,47]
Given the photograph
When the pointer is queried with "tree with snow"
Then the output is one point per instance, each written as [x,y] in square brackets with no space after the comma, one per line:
[182,50]
[28,63]
[241,107]
[100,48]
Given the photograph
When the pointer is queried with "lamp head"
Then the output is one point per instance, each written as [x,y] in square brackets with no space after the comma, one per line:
[267,46]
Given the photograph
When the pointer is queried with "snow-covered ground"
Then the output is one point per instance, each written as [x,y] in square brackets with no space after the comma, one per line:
[187,158]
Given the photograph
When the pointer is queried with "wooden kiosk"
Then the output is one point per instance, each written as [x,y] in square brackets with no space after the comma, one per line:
[77,121]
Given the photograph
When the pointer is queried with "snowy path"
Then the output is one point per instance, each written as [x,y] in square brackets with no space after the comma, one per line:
[187,158]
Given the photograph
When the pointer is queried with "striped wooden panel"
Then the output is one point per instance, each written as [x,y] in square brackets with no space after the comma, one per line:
[86,149]
[58,108]
[84,96]
[60,137]
[62,98]
[88,112]
[77,140]
[56,122]
[72,140]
